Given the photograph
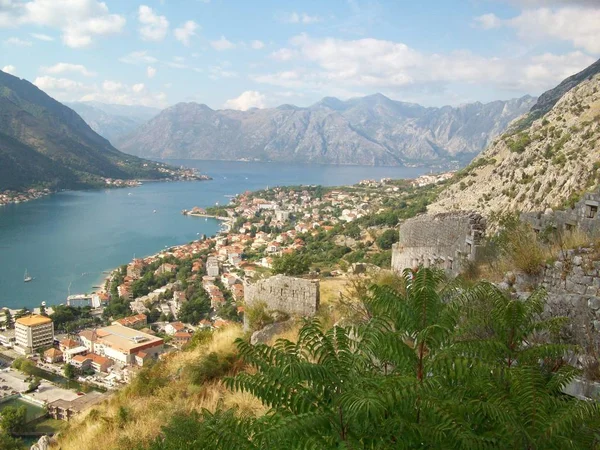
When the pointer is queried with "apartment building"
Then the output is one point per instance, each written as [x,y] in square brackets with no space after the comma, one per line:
[32,332]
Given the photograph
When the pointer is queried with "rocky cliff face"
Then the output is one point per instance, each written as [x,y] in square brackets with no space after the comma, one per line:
[547,164]
[371,130]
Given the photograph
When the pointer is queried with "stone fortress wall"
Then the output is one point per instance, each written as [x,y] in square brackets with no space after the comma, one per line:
[294,296]
[585,216]
[445,240]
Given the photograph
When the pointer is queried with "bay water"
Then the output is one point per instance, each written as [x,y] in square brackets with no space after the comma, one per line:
[67,241]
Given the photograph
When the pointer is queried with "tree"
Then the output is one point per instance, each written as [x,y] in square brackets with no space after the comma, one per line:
[409,375]
[7,442]
[387,239]
[291,264]
[69,371]
[13,420]
[8,319]
[33,384]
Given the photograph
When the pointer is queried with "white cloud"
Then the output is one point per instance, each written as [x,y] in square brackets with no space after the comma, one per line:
[79,21]
[112,86]
[9,69]
[579,26]
[61,68]
[488,21]
[328,65]
[222,44]
[17,42]
[139,57]
[186,32]
[154,27]
[64,89]
[42,37]
[247,100]
[220,71]
[150,71]
[283,54]
[257,45]
[50,84]
[303,18]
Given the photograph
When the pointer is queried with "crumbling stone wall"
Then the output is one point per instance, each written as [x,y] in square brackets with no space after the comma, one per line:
[443,240]
[585,216]
[572,283]
[294,296]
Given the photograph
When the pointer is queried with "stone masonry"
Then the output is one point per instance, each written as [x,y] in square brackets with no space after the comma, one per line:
[294,296]
[445,240]
[584,216]
[572,284]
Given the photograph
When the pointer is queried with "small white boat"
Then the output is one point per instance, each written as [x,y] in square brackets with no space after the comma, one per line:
[27,278]
[154,212]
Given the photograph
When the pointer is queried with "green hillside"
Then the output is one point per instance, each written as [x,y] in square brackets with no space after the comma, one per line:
[43,142]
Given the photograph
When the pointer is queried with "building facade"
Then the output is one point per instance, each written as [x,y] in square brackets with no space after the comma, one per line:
[32,332]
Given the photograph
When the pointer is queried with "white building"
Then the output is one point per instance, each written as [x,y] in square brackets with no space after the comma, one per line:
[212,267]
[32,332]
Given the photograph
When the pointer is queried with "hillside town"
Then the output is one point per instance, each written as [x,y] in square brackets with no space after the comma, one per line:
[154,306]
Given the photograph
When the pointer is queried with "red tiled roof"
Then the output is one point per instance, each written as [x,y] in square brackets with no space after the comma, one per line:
[69,343]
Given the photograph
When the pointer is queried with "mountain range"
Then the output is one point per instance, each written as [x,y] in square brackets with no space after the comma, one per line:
[372,130]
[45,143]
[113,121]
[548,158]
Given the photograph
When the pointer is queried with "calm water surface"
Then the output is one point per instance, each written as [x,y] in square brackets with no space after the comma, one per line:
[66,241]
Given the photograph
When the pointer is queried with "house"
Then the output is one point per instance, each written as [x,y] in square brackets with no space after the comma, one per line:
[99,363]
[139,320]
[174,327]
[273,247]
[205,324]
[165,268]
[134,269]
[53,355]
[82,362]
[71,353]
[238,291]
[66,344]
[267,262]
[181,338]
[142,358]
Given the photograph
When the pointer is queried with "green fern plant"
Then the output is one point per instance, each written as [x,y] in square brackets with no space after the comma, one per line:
[432,366]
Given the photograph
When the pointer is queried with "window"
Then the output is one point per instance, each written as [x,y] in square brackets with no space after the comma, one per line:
[591,211]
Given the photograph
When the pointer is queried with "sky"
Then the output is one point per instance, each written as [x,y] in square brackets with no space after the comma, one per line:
[241,54]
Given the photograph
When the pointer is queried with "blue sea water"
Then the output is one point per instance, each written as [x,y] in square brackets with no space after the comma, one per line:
[67,240]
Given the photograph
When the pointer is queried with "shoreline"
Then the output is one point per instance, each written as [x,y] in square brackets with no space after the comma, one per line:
[10,197]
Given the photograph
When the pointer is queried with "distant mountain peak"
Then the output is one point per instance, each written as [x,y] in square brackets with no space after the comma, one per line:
[372,130]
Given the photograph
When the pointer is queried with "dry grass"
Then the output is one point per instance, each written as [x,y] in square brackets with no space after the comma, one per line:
[101,427]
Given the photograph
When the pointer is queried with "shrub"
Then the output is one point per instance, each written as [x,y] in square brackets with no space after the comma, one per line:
[258,316]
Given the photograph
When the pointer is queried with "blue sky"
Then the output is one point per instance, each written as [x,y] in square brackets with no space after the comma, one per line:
[241,54]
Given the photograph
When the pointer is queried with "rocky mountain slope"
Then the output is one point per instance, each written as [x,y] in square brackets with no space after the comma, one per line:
[548,163]
[371,130]
[113,121]
[44,143]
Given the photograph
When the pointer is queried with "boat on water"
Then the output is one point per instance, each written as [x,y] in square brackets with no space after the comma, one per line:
[27,278]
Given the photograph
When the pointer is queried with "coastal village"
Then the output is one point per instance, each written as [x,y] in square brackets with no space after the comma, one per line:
[154,306]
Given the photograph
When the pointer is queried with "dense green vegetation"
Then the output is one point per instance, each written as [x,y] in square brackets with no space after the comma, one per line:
[427,365]
[45,144]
